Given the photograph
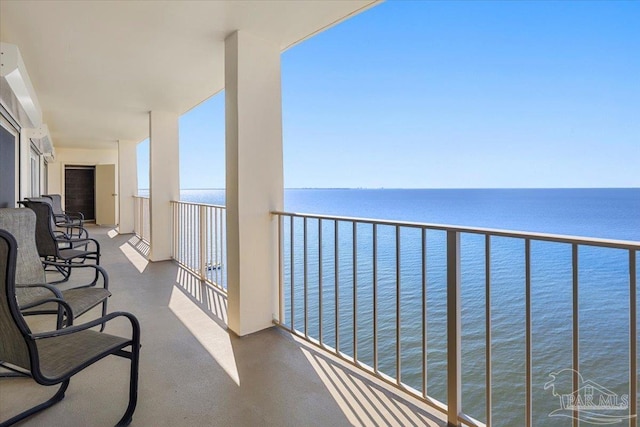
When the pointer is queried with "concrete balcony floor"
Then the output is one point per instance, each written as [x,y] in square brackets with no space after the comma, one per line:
[193,372]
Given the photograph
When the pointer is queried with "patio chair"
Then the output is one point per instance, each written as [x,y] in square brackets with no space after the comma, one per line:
[62,225]
[63,217]
[53,357]
[60,251]
[32,290]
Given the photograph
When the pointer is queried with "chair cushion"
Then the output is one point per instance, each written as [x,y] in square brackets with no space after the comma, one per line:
[64,355]
[30,294]
[81,300]
[67,254]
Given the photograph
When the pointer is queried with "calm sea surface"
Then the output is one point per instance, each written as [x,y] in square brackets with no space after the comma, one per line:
[605,213]
[603,287]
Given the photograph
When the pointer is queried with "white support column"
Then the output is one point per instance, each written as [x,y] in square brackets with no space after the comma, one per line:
[254,177]
[127,183]
[164,180]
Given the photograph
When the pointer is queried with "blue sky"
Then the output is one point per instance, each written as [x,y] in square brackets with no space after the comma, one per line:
[451,95]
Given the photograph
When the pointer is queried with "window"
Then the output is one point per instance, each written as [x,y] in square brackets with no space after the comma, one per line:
[34,167]
[8,164]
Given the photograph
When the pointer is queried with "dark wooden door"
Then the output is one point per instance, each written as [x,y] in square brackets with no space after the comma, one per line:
[79,191]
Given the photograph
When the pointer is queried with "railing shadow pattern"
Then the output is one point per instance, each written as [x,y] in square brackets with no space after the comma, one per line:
[140,245]
[363,402]
[209,298]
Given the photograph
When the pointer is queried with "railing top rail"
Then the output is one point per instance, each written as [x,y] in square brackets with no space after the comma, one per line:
[198,204]
[140,197]
[558,238]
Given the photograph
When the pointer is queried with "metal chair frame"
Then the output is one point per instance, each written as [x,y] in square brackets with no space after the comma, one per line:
[60,252]
[61,216]
[21,346]
[21,222]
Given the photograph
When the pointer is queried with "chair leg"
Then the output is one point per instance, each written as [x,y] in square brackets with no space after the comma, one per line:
[60,318]
[104,313]
[66,273]
[133,385]
[96,277]
[55,399]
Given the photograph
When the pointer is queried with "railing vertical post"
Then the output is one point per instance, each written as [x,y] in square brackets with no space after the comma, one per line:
[139,218]
[528,349]
[173,229]
[355,291]
[183,219]
[211,236]
[305,277]
[204,232]
[212,244]
[423,274]
[575,328]
[135,215]
[336,260]
[633,341]
[146,220]
[293,272]
[223,247]
[398,318]
[375,297]
[320,281]
[488,361]
[194,261]
[216,254]
[454,383]
[281,320]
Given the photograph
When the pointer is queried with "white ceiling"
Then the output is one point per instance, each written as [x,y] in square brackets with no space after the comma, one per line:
[98,67]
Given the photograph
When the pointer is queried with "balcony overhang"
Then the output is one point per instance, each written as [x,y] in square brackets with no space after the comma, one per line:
[16,91]
[99,67]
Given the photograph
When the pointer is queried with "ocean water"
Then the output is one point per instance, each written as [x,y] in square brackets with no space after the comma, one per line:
[603,287]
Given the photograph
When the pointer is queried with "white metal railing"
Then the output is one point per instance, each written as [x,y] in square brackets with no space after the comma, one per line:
[141,224]
[199,240]
[361,289]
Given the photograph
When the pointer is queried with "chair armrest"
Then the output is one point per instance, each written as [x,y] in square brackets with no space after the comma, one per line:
[99,271]
[75,215]
[68,234]
[102,320]
[75,242]
[66,307]
[54,290]
[61,217]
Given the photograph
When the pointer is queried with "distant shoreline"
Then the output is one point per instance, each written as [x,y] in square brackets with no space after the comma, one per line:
[416,188]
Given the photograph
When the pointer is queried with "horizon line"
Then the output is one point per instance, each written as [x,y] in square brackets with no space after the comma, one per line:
[430,188]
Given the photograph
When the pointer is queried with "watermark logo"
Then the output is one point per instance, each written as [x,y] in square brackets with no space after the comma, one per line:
[591,402]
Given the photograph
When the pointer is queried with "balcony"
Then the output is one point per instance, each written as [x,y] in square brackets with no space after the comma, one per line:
[209,283]
[196,372]
[385,297]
